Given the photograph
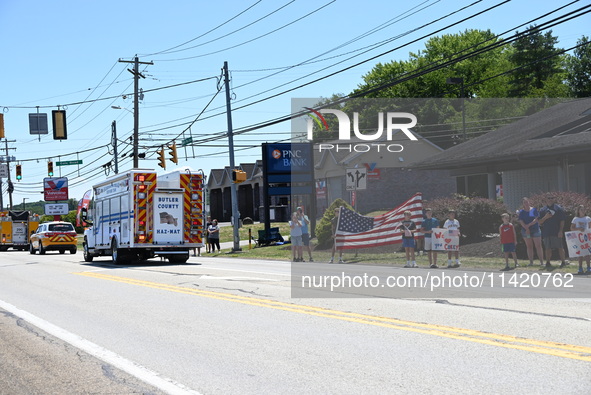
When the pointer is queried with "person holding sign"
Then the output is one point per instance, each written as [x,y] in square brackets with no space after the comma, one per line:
[427,228]
[508,240]
[582,223]
[453,225]
[408,227]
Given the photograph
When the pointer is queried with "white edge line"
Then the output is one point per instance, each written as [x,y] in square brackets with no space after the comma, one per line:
[144,374]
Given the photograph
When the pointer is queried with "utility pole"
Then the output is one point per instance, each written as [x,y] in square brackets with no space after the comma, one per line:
[136,110]
[10,186]
[233,192]
[114,143]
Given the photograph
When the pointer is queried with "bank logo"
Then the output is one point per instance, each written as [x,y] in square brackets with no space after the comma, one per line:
[391,120]
[276,154]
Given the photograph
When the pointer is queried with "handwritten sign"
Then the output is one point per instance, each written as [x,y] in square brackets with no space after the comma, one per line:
[445,239]
[578,243]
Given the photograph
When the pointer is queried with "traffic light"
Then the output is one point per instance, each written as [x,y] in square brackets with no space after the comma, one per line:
[238,176]
[50,169]
[162,158]
[19,174]
[173,156]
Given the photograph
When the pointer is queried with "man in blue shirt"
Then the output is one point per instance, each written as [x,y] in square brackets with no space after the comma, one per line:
[552,218]
[427,229]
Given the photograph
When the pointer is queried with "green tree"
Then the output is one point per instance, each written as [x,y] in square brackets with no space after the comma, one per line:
[536,55]
[439,50]
[324,226]
[578,69]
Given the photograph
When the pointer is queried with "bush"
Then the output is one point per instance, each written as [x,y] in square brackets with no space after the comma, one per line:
[324,226]
[568,200]
[478,216]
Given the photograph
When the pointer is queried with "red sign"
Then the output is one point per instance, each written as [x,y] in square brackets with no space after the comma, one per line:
[373,173]
[321,192]
[55,189]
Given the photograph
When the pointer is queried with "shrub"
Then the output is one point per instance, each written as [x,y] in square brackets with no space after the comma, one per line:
[477,216]
[324,226]
[568,200]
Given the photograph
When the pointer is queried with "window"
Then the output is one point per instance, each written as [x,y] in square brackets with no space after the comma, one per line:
[61,228]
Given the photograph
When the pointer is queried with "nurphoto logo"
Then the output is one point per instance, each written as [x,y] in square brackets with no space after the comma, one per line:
[392,122]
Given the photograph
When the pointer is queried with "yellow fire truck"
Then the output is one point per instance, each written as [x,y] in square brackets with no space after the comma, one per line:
[16,227]
[137,215]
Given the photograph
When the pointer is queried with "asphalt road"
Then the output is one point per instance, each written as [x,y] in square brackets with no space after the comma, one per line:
[228,325]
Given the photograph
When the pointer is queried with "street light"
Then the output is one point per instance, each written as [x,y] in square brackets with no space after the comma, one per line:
[460,81]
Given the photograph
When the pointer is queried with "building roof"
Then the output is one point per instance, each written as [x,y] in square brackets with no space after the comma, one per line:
[560,132]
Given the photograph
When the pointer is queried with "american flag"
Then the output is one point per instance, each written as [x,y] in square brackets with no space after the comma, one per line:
[355,231]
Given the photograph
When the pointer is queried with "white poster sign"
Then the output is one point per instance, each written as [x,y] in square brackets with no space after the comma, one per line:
[445,239]
[578,243]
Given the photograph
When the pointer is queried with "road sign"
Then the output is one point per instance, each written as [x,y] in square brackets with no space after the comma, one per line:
[7,159]
[3,170]
[69,162]
[187,141]
[356,179]
[56,209]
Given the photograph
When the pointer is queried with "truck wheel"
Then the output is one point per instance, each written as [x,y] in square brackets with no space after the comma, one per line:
[62,251]
[41,249]
[116,254]
[87,256]
[31,249]
[178,258]
[73,251]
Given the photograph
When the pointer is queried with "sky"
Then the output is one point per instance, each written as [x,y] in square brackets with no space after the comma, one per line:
[66,55]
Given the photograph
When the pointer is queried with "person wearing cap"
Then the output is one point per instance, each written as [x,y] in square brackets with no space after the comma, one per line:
[552,219]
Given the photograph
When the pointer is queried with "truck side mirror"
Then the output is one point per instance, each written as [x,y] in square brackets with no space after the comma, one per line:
[84,216]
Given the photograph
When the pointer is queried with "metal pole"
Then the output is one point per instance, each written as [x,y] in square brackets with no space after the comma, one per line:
[136,111]
[9,180]
[463,109]
[114,143]
[233,191]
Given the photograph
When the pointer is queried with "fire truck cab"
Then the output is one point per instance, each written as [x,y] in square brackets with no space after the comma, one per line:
[15,229]
[137,215]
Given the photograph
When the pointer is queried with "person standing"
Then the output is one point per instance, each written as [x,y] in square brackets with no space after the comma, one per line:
[207,243]
[296,238]
[427,229]
[305,232]
[408,227]
[552,219]
[530,231]
[508,239]
[453,225]
[582,223]
[214,235]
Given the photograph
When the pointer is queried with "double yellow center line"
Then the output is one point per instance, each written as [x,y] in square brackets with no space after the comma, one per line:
[581,353]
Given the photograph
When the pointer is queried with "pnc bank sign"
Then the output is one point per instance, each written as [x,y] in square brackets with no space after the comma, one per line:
[287,158]
[388,123]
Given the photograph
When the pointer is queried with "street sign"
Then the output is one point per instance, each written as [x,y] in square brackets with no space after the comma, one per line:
[69,162]
[7,159]
[3,170]
[56,209]
[187,141]
[356,179]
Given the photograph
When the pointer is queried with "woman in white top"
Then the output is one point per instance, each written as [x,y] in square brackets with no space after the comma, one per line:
[582,223]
